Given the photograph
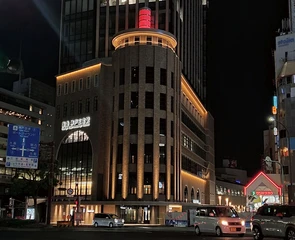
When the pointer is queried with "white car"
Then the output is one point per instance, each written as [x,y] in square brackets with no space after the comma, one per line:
[107,220]
[219,220]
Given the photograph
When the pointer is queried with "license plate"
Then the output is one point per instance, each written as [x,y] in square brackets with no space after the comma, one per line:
[233,229]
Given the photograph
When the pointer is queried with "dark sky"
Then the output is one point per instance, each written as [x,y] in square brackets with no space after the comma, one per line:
[240,39]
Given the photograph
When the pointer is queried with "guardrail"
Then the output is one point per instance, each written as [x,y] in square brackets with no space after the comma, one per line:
[64,224]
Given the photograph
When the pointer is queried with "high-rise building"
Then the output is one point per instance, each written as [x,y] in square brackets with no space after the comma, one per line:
[88,27]
[133,136]
[283,106]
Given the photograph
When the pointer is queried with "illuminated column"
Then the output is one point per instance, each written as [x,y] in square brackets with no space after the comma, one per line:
[140,149]
[156,167]
[144,18]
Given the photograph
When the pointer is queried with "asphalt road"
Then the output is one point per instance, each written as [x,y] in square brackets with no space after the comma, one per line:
[142,233]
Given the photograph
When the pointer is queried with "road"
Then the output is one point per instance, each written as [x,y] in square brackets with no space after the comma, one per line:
[142,233]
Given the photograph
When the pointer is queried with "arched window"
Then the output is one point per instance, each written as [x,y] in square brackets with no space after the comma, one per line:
[185,193]
[192,194]
[75,165]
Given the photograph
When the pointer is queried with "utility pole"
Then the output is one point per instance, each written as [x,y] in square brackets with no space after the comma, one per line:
[11,205]
[50,185]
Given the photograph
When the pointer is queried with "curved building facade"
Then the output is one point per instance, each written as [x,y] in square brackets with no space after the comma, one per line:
[133,137]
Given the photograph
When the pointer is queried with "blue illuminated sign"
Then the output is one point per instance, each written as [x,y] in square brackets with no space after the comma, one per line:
[22,147]
[275,101]
[285,42]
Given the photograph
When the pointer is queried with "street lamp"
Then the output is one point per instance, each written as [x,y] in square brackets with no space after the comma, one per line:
[268,159]
[272,119]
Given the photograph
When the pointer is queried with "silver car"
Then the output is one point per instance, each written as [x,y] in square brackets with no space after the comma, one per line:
[107,220]
[274,221]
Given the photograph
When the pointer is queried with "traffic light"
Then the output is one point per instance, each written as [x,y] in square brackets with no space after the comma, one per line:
[77,202]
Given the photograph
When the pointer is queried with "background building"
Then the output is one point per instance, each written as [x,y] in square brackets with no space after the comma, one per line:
[133,137]
[21,110]
[34,89]
[231,172]
[230,193]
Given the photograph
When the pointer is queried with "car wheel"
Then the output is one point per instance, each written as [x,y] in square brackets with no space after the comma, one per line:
[197,230]
[290,234]
[96,224]
[218,232]
[111,225]
[241,235]
[257,234]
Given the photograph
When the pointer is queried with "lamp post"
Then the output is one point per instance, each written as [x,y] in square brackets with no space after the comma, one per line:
[272,119]
[268,159]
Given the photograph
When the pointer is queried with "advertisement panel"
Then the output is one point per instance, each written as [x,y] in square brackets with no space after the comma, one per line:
[22,147]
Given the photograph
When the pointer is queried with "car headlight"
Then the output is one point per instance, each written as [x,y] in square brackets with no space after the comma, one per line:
[123,220]
[243,223]
[116,220]
[225,223]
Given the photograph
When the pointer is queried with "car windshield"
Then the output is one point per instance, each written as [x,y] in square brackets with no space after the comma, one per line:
[114,216]
[226,212]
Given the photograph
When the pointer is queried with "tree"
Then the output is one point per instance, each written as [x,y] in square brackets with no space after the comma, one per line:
[32,182]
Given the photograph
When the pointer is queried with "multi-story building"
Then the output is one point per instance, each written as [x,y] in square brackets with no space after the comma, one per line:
[132,136]
[88,27]
[21,110]
[36,90]
[283,107]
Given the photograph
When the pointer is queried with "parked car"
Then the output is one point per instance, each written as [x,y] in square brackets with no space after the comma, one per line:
[107,220]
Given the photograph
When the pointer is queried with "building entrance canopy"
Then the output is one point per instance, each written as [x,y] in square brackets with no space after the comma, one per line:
[262,189]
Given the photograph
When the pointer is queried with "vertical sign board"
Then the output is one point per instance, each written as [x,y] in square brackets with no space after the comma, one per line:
[22,147]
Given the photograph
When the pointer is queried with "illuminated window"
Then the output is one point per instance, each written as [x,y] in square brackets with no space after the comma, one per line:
[39,122]
[40,111]
[31,108]
[77,136]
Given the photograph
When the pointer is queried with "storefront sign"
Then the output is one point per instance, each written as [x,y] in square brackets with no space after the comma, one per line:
[264,193]
[75,123]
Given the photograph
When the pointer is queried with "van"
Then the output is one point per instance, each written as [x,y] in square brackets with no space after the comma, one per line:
[218,220]
[107,220]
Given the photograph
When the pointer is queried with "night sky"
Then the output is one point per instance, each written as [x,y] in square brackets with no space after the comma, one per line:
[240,70]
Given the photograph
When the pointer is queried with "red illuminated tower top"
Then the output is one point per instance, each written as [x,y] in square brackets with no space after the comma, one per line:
[145,18]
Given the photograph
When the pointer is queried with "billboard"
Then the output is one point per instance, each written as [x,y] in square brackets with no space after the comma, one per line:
[284,44]
[22,147]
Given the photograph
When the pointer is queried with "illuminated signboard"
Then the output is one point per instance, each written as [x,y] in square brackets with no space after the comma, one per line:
[264,193]
[75,123]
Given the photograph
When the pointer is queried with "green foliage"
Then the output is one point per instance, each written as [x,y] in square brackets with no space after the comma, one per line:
[30,182]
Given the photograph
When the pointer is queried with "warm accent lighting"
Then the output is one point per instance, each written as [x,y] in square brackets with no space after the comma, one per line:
[79,71]
[188,91]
